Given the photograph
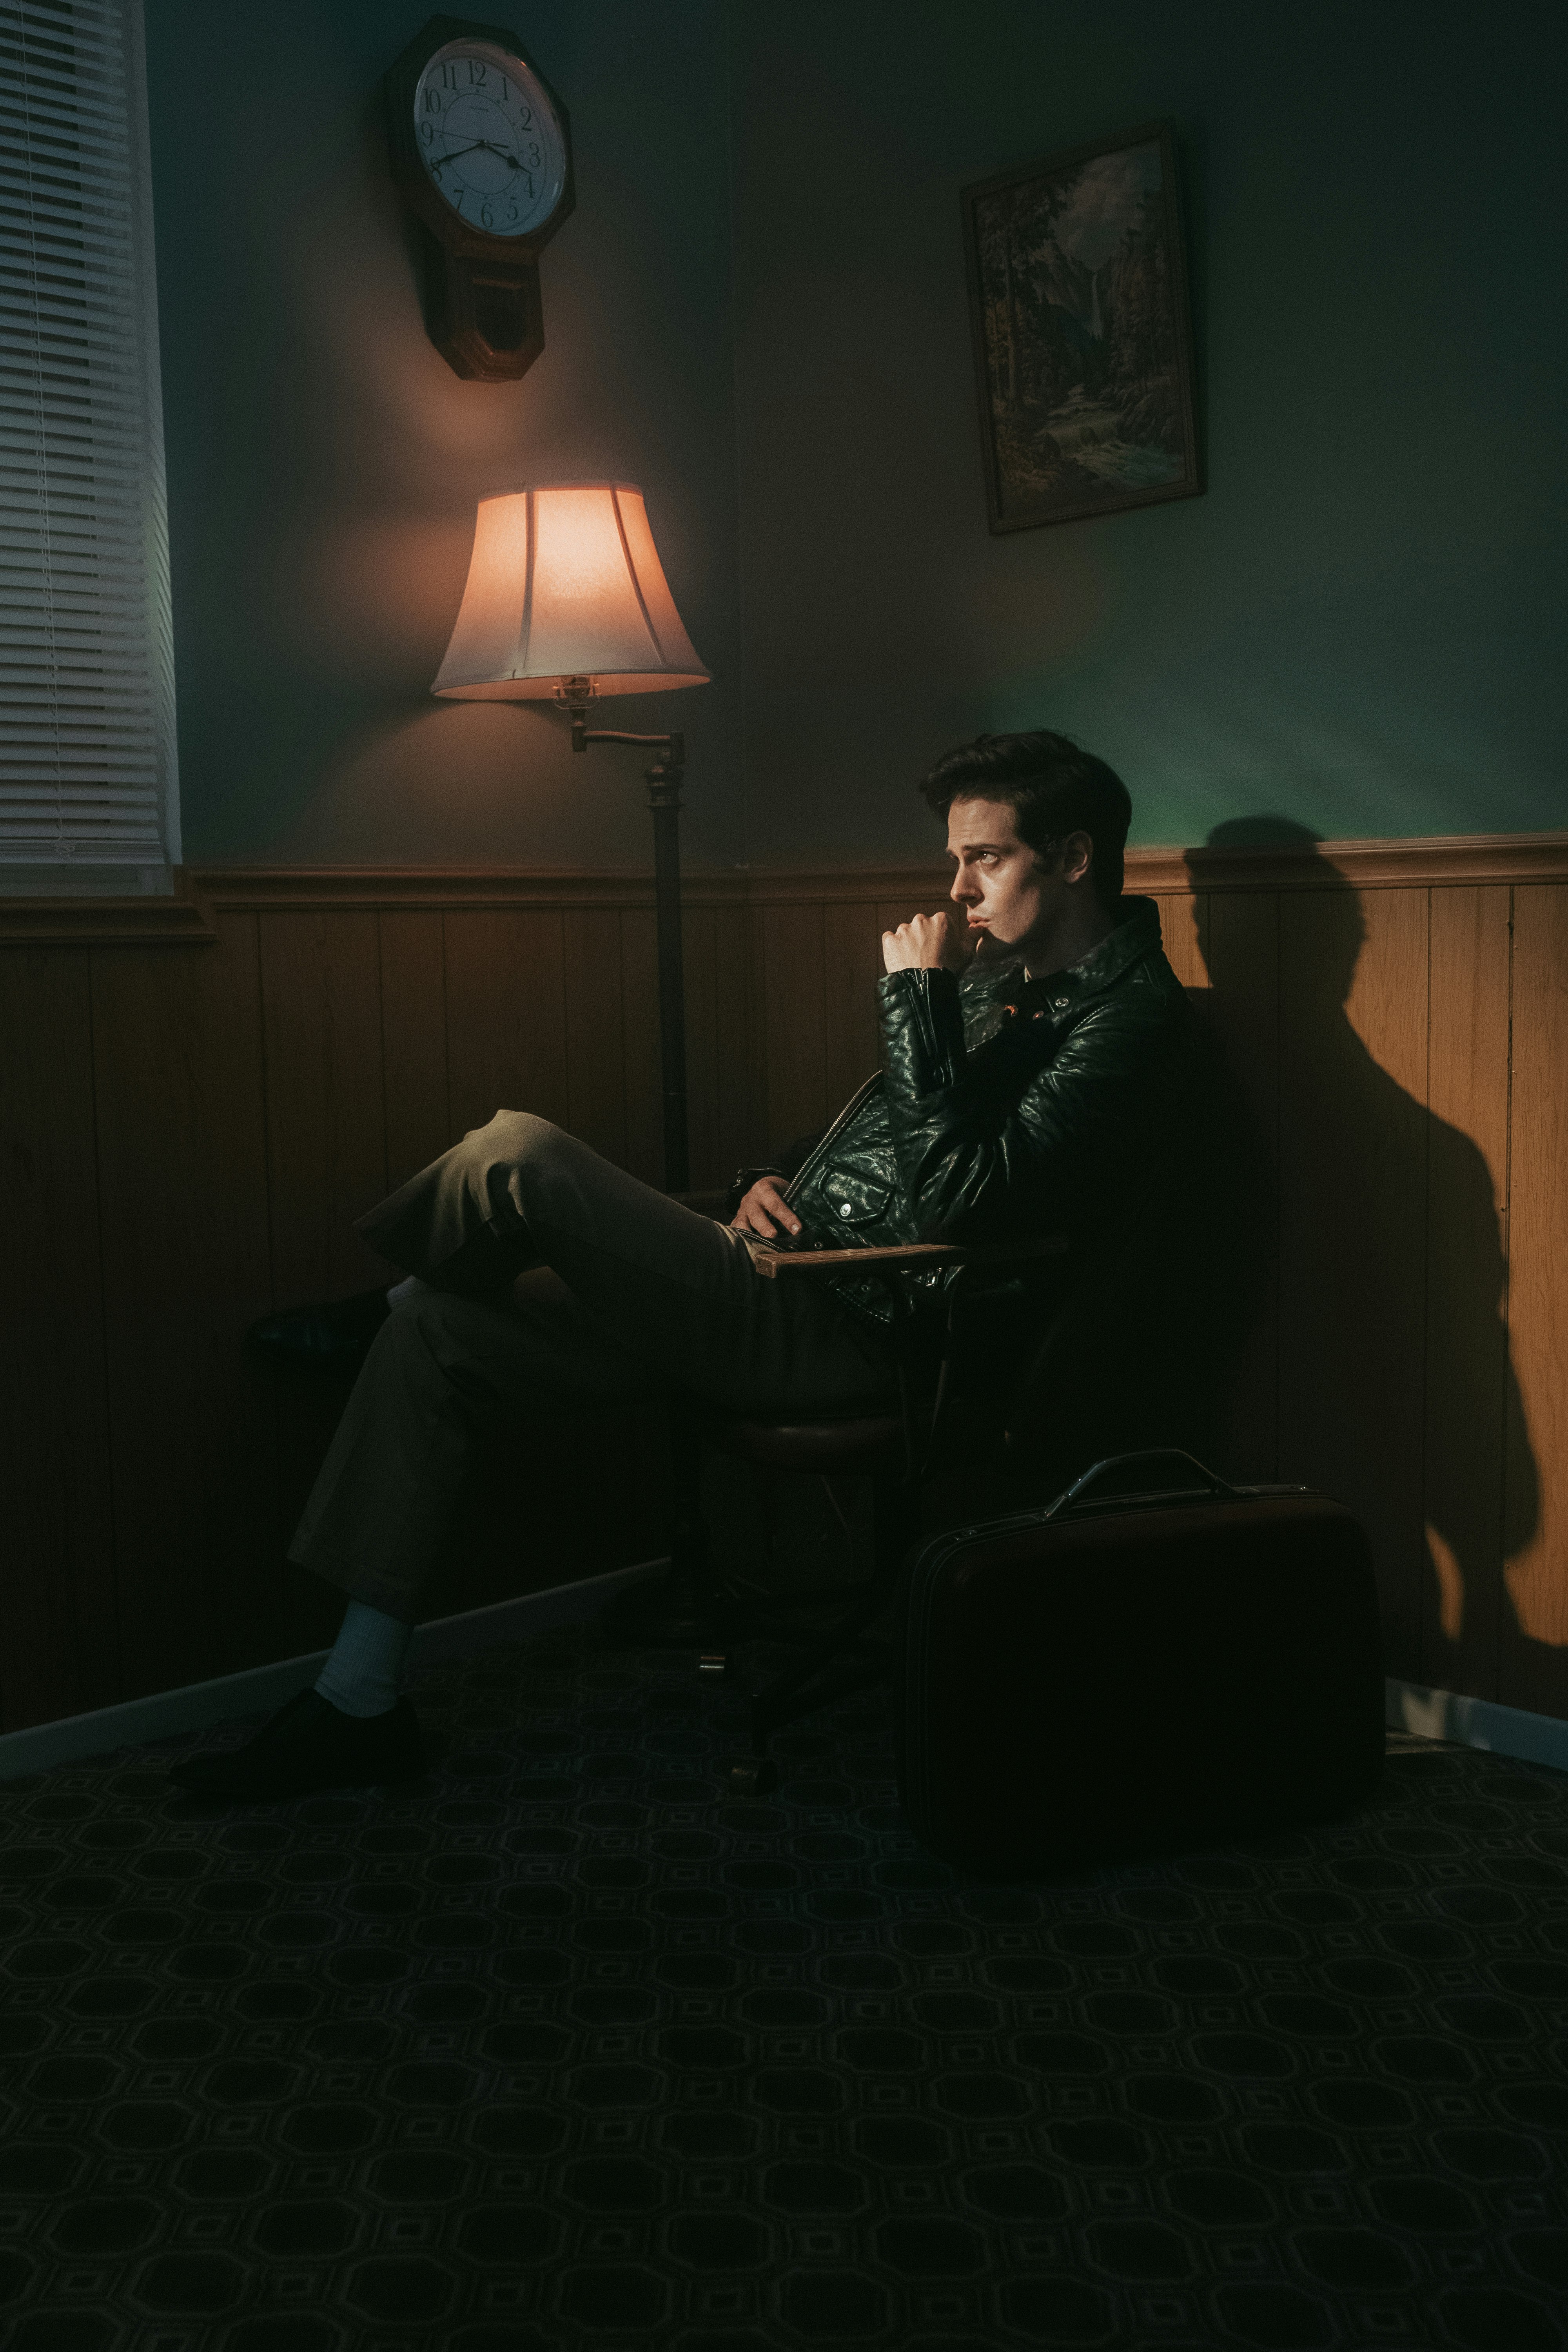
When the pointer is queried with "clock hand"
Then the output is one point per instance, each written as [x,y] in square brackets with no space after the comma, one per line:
[474,145]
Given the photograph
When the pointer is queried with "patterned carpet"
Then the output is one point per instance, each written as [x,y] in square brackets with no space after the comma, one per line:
[559,2050]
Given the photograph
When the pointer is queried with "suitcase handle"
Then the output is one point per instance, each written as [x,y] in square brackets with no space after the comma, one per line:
[1208,1481]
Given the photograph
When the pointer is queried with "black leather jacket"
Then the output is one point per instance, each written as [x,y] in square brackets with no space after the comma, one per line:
[1003,1107]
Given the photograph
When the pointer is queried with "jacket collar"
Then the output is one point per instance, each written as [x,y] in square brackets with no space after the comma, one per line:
[1137,932]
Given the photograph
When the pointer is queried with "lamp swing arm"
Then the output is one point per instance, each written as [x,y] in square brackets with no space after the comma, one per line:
[674,744]
[574,696]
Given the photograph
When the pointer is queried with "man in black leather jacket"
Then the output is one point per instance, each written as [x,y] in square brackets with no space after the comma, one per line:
[1025,1057]
[1030,1031]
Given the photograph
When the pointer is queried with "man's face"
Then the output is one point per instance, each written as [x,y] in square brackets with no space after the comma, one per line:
[1000,884]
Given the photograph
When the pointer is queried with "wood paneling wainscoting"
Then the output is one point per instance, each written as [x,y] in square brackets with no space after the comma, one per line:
[197,1094]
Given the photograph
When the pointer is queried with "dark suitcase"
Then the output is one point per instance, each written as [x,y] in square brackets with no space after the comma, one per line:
[1127,1672]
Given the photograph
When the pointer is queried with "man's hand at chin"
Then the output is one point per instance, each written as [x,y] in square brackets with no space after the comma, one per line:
[941,942]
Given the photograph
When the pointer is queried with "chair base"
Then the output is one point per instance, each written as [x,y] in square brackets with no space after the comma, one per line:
[668,1613]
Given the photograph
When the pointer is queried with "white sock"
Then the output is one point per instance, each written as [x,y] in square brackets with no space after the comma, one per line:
[363,1673]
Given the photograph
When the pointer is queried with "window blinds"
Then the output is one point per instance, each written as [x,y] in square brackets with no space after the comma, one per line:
[87,721]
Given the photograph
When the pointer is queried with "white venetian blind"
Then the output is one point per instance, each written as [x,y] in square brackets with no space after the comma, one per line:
[87,719]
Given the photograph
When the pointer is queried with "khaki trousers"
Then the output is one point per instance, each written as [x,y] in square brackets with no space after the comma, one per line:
[553,1283]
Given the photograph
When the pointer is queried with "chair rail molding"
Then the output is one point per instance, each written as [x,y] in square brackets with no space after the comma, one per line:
[187,918]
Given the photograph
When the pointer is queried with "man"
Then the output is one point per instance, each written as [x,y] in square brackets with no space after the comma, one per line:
[1025,1029]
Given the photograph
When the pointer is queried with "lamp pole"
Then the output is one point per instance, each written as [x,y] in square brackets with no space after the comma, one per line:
[664,780]
[679,1612]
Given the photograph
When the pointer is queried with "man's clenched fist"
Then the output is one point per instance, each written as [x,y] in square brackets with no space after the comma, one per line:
[929,943]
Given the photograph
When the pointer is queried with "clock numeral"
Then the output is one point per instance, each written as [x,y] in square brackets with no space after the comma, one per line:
[533,154]
[511,211]
[487,217]
[450,77]
[528,183]
[432,101]
[525,117]
[475,74]
[427,132]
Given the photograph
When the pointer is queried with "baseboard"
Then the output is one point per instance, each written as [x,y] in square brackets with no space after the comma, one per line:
[1476,1723]
[1409,1706]
[167,1713]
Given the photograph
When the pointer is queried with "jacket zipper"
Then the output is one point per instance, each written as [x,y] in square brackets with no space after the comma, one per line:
[808,1165]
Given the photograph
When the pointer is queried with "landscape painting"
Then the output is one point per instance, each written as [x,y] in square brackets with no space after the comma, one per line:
[1078,292]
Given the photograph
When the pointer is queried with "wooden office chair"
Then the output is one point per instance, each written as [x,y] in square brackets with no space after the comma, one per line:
[1133,1346]
[896,1450]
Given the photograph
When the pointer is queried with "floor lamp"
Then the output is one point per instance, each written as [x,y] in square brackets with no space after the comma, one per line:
[566,603]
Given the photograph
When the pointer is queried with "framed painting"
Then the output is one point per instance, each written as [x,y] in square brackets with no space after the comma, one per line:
[1078,288]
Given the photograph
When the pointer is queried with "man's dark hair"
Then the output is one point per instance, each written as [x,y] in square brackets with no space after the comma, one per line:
[1052,787]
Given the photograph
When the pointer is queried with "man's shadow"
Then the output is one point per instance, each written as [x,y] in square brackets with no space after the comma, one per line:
[1357,1341]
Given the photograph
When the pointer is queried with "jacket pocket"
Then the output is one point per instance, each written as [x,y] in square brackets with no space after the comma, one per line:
[852,1202]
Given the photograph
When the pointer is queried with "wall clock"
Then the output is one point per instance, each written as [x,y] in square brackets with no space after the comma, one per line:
[481,151]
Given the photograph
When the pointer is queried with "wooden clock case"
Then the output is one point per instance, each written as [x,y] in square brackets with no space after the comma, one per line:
[482,307]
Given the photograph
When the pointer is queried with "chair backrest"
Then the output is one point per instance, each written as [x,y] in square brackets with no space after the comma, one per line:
[1139,1349]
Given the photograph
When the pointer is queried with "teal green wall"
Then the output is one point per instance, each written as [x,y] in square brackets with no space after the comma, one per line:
[758,311]
[325,462]
[1360,625]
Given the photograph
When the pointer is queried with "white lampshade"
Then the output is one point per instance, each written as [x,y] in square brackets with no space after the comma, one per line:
[565,581]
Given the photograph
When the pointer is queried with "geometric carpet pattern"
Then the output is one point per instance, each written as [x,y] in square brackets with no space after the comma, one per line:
[563,2048]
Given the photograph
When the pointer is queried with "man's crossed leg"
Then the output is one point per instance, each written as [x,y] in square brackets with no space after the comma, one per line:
[550,1284]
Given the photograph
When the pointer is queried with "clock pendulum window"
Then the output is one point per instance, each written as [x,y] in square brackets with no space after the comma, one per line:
[481,153]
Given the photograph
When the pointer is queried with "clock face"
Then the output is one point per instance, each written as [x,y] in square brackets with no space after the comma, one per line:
[489,138]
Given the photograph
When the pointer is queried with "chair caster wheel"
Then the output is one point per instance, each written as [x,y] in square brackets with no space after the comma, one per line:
[753,1776]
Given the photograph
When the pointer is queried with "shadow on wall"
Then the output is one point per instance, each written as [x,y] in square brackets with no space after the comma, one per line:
[1382,1279]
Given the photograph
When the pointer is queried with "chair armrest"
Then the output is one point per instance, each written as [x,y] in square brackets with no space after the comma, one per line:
[896,1256]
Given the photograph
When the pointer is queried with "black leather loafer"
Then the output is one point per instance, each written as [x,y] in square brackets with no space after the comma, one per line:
[336,1332]
[309,1744]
